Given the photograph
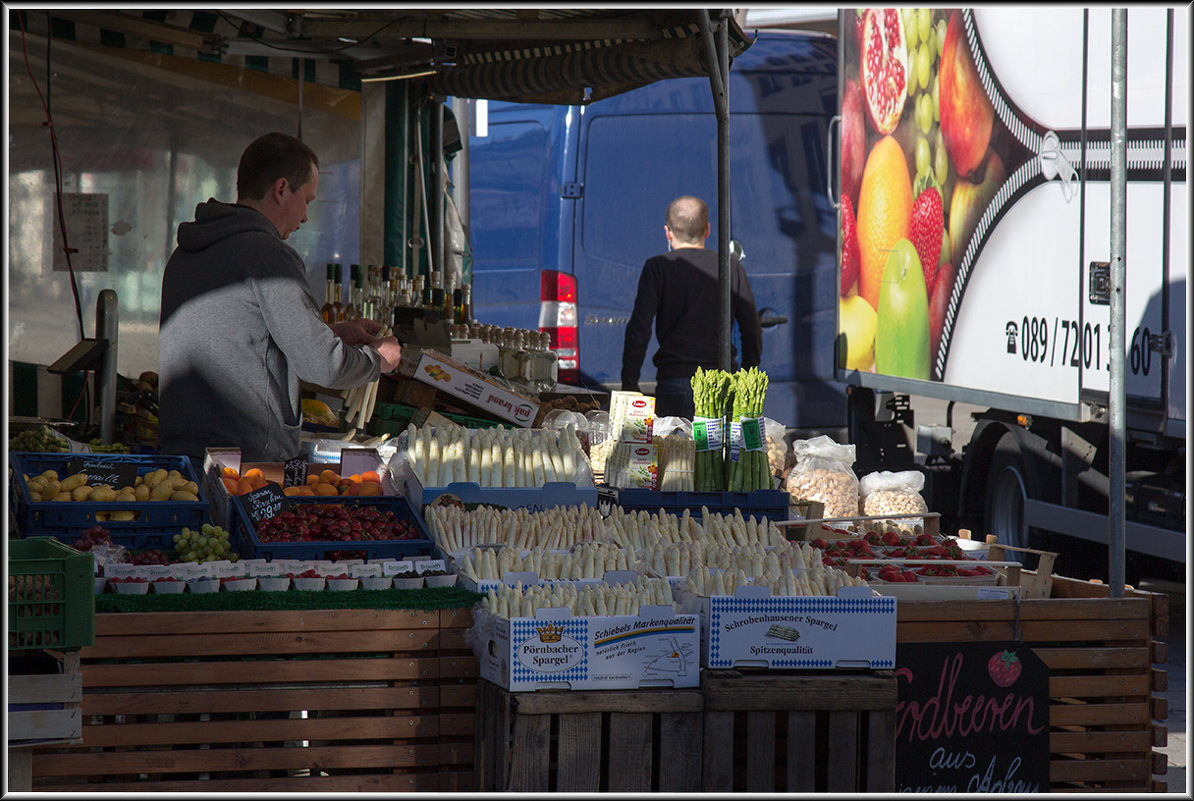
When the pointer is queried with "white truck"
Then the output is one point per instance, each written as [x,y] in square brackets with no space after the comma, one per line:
[974,269]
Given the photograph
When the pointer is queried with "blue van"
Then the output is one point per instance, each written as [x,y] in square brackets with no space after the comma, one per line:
[567,202]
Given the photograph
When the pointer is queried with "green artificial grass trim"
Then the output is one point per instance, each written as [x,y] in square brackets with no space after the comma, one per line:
[425,599]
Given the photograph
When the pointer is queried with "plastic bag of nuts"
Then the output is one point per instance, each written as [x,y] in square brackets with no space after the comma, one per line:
[888,493]
[824,472]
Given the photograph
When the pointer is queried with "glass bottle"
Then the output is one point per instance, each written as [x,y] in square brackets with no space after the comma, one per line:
[351,310]
[385,312]
[435,291]
[420,293]
[447,308]
[464,304]
[328,311]
[336,304]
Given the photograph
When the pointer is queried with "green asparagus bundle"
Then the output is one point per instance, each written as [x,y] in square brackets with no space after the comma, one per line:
[751,470]
[709,388]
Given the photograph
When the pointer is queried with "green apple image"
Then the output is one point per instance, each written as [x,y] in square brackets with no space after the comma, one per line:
[902,325]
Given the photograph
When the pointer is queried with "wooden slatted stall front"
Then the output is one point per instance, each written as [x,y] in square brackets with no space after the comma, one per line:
[799,731]
[271,701]
[621,741]
[1104,717]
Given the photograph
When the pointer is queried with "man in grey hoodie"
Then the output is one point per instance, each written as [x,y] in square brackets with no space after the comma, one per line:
[239,327]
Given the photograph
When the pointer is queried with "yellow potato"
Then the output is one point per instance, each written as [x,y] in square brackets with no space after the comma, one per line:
[142,492]
[62,495]
[183,495]
[52,475]
[51,489]
[72,482]
[126,495]
[155,477]
[161,491]
[188,486]
[176,475]
[34,497]
[122,515]
[36,484]
[81,493]
[102,517]
[102,494]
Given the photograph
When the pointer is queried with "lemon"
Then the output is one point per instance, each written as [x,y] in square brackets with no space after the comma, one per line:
[857,325]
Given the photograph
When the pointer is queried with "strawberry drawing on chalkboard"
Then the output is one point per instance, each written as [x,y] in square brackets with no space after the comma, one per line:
[1004,667]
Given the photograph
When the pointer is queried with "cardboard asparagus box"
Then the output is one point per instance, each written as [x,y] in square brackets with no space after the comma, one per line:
[474,387]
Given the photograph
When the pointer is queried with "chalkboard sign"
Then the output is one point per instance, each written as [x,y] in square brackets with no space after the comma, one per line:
[971,718]
[114,474]
[265,502]
[294,471]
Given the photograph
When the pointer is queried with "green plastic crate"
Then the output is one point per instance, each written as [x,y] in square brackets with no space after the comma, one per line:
[51,595]
[392,418]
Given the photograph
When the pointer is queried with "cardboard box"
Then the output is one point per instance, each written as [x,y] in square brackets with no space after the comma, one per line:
[556,650]
[219,501]
[471,386]
[752,628]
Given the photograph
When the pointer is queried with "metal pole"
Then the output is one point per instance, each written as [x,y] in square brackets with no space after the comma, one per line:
[106,325]
[719,79]
[1119,201]
[436,171]
[462,108]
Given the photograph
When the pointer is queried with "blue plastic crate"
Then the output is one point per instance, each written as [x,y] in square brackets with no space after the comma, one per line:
[770,504]
[244,534]
[156,522]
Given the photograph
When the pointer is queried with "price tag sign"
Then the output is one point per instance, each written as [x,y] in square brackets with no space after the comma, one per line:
[365,570]
[394,568]
[428,565]
[294,471]
[707,434]
[113,474]
[752,433]
[265,502]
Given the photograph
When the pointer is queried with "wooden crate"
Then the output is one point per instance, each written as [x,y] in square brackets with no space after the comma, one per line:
[621,741]
[796,731]
[1105,719]
[42,708]
[215,702]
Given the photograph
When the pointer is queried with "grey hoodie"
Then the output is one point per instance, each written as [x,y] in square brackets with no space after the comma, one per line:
[238,330]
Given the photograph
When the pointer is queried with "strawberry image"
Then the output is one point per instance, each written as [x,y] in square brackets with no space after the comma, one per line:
[924,231]
[851,260]
[1004,667]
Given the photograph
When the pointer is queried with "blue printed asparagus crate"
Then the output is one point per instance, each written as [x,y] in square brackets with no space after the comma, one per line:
[131,523]
[51,597]
[770,504]
[363,515]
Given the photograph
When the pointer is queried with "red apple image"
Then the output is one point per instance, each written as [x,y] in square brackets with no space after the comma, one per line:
[938,304]
[966,111]
[853,141]
[968,203]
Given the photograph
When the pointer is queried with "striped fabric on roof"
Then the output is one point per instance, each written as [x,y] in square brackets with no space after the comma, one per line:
[494,56]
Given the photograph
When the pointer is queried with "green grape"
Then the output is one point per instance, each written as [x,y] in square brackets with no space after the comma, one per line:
[941,27]
[936,99]
[923,155]
[924,24]
[924,66]
[911,28]
[941,159]
[924,113]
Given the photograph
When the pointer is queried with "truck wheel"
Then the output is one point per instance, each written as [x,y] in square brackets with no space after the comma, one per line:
[1006,490]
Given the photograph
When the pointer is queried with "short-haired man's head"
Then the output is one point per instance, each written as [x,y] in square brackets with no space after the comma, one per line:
[688,219]
[270,157]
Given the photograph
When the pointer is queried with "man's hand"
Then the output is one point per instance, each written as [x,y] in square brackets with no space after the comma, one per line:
[390,351]
[358,331]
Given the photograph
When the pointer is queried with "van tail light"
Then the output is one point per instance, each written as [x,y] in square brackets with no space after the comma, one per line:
[557,316]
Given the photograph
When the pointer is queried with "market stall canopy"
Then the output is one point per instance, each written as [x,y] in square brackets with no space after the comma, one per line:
[523,54]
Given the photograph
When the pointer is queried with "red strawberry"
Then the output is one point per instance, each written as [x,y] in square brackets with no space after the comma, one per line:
[924,230]
[851,260]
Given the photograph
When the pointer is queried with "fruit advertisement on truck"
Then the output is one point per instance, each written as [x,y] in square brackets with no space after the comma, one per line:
[975,202]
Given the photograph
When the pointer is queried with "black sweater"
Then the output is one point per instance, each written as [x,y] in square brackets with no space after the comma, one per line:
[678,290]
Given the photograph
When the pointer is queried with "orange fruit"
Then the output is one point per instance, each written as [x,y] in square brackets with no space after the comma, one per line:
[330,476]
[370,488]
[352,489]
[229,472]
[258,481]
[305,492]
[254,472]
[290,492]
[244,484]
[324,488]
[371,475]
[312,478]
[884,209]
[229,484]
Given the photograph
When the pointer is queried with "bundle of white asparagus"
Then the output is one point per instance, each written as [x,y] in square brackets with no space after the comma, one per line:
[456,529]
[361,400]
[678,558]
[639,529]
[586,599]
[587,560]
[676,454]
[817,580]
[494,457]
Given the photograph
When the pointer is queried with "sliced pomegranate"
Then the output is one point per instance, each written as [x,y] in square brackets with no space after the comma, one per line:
[883,67]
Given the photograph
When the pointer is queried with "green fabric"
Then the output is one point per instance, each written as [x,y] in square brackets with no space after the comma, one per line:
[426,599]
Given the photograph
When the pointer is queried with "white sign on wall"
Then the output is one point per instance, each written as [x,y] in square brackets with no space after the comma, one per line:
[87,232]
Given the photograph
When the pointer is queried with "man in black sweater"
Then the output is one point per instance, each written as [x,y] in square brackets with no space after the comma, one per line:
[678,290]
